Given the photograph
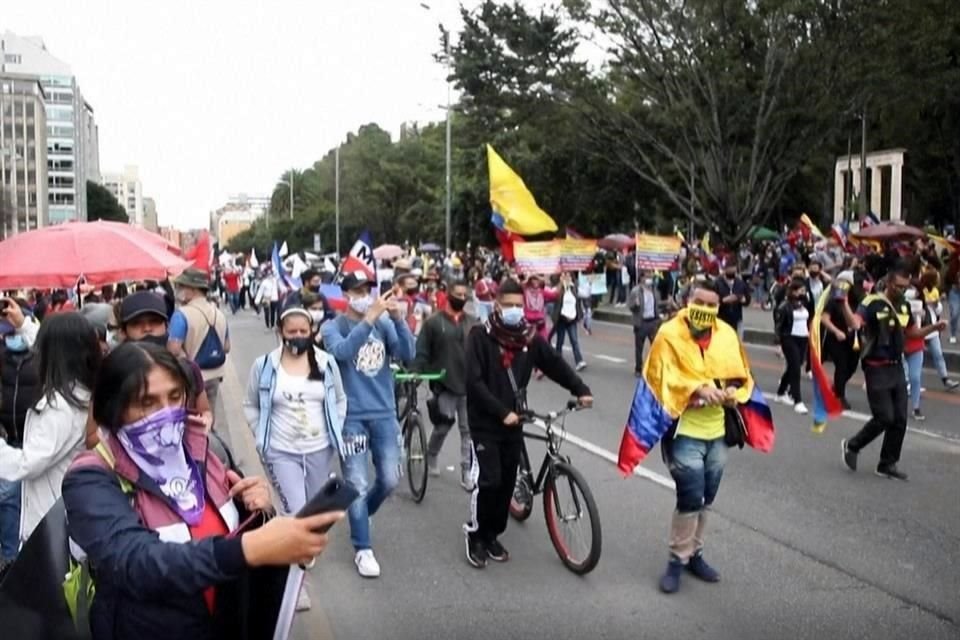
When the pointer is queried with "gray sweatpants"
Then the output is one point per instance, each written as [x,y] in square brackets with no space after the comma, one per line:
[296,476]
[451,406]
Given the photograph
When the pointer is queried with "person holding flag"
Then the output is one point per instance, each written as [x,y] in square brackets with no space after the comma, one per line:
[698,398]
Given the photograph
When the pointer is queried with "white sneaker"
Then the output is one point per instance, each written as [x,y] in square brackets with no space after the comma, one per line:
[367,565]
[800,408]
[953,340]
[783,399]
[581,365]
[923,389]
[303,600]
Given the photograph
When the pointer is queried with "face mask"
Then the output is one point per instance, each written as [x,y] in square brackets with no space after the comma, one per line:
[182,297]
[457,304]
[297,346]
[814,274]
[731,275]
[155,444]
[317,316]
[701,317]
[314,288]
[362,304]
[15,343]
[412,291]
[160,341]
[512,316]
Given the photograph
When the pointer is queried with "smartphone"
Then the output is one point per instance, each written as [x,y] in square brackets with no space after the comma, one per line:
[335,495]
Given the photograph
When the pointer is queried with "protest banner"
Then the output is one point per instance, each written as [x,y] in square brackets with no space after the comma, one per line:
[657,253]
[554,256]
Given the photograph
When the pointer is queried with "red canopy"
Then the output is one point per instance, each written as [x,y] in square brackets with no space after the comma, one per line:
[102,252]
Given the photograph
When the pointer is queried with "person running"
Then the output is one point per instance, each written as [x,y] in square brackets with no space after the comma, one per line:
[363,343]
[441,346]
[295,405]
[199,331]
[68,357]
[887,323]
[792,328]
[501,357]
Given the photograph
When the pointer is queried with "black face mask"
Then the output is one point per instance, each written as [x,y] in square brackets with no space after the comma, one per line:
[412,291]
[297,346]
[457,304]
[814,275]
[731,275]
[314,288]
[160,341]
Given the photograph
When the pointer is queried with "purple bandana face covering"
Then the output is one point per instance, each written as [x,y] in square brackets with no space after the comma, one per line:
[155,443]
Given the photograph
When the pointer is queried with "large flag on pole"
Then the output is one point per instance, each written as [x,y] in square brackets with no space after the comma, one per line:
[808,223]
[201,253]
[825,402]
[284,281]
[361,257]
[514,207]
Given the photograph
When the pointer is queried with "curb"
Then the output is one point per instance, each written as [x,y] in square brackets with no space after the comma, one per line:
[752,336]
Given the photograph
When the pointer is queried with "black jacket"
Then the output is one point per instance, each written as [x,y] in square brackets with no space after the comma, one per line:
[19,390]
[783,319]
[732,314]
[491,397]
[442,345]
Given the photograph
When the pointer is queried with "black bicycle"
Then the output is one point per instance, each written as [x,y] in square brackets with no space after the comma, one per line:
[567,500]
[411,428]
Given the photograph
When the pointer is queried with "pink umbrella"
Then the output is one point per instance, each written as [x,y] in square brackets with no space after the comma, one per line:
[139,232]
[387,252]
[617,242]
[103,253]
[888,231]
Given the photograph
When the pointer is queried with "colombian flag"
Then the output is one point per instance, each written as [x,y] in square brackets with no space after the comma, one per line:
[825,402]
[514,208]
[674,370]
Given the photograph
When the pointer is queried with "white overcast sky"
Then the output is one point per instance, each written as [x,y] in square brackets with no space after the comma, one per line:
[212,98]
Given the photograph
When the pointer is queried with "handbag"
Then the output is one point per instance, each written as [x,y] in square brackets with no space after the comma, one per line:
[734,428]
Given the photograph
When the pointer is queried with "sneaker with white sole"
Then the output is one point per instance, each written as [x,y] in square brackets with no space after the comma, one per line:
[783,399]
[466,481]
[800,409]
[367,565]
[953,339]
[581,365]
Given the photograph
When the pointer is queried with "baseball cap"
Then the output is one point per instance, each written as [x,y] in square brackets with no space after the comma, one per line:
[355,280]
[142,303]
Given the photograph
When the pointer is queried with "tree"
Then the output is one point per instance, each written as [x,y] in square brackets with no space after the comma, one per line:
[101,205]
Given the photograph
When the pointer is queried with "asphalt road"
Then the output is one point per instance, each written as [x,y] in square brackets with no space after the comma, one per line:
[806,549]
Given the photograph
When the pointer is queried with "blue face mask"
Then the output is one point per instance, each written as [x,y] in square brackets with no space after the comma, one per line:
[512,316]
[15,343]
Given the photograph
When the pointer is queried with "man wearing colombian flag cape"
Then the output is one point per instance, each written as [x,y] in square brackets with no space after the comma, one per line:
[695,373]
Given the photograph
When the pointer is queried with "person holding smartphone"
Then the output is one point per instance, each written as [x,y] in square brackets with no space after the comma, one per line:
[364,340]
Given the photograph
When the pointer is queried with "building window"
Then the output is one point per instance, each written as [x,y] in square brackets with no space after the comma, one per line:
[11,58]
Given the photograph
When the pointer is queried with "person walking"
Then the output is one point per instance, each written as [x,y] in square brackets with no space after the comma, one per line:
[792,328]
[886,323]
[268,298]
[646,318]
[199,331]
[441,346]
[363,343]
[840,341]
[933,313]
[295,405]
[567,313]
[734,296]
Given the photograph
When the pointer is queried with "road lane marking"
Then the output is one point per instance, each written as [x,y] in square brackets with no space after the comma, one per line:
[600,356]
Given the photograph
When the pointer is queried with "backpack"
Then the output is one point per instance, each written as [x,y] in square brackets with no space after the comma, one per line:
[210,355]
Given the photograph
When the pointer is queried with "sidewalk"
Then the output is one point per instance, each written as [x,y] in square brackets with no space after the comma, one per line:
[758,329]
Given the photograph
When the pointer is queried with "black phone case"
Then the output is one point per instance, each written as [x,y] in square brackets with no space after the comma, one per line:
[335,495]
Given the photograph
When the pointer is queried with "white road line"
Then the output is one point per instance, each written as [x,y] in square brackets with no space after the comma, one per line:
[600,356]
[611,457]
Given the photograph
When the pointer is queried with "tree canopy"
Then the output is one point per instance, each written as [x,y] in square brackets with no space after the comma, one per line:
[102,205]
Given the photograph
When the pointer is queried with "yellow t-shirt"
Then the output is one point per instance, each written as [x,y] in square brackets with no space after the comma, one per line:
[702,423]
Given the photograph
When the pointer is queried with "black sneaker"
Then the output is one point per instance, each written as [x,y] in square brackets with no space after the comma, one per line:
[497,552]
[849,457]
[845,404]
[891,472]
[476,552]
[918,415]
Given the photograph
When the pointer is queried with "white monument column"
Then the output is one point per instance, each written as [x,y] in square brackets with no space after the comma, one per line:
[876,190]
[896,191]
[855,195]
[839,181]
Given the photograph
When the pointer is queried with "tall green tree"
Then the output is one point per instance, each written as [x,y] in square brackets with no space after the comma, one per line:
[101,205]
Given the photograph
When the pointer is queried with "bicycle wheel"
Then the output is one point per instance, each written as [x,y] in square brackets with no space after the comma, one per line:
[567,503]
[415,442]
[521,504]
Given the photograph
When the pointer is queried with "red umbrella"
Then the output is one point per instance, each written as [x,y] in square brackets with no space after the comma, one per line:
[617,242]
[55,257]
[888,231]
[140,233]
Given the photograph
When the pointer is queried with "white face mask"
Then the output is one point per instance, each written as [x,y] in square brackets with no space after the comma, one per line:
[362,304]
[317,316]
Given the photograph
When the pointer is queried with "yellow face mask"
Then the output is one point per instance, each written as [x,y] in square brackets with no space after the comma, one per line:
[701,316]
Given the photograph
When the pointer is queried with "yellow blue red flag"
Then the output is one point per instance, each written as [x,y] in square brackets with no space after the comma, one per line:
[514,207]
[825,402]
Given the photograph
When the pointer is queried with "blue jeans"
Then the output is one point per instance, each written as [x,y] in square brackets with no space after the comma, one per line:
[234,300]
[566,327]
[697,467]
[913,367]
[381,437]
[9,519]
[935,348]
[953,301]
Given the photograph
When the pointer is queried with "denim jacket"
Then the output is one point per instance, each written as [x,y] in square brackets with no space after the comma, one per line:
[258,403]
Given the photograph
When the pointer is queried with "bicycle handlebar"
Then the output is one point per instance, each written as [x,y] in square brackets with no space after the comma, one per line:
[529,415]
[412,376]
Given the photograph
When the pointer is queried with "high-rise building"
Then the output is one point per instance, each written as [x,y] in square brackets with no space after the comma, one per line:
[150,222]
[71,136]
[236,216]
[128,191]
[23,156]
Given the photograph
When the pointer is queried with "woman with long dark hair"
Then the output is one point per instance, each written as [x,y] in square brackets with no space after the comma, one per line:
[68,354]
[153,508]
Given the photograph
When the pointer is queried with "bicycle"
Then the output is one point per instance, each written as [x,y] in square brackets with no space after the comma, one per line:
[556,475]
[411,428]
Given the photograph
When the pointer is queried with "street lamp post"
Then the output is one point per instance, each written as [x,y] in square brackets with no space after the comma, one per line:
[289,183]
[449,145]
[336,196]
